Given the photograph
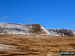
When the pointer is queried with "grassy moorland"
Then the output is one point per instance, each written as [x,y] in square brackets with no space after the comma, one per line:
[34,45]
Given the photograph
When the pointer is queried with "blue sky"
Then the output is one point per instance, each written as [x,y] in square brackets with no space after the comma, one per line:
[49,13]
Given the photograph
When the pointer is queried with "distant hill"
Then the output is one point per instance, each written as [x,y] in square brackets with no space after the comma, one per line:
[61,32]
[13,28]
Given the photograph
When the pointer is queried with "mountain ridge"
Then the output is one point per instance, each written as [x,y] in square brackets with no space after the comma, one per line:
[14,28]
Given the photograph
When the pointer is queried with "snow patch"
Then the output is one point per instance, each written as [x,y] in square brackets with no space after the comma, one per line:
[5,47]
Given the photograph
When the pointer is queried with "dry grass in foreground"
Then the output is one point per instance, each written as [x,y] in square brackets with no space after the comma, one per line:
[34,45]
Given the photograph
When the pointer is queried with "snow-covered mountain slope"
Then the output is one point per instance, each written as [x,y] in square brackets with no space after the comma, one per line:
[61,32]
[52,32]
[13,28]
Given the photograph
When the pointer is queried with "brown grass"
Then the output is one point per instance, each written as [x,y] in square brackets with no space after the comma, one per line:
[36,45]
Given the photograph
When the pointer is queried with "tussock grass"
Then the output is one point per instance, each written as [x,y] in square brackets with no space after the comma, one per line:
[36,45]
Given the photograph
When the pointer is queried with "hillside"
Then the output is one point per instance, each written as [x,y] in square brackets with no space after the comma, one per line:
[34,40]
[34,45]
[13,28]
[61,32]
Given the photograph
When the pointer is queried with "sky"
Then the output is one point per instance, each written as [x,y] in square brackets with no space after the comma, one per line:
[49,13]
